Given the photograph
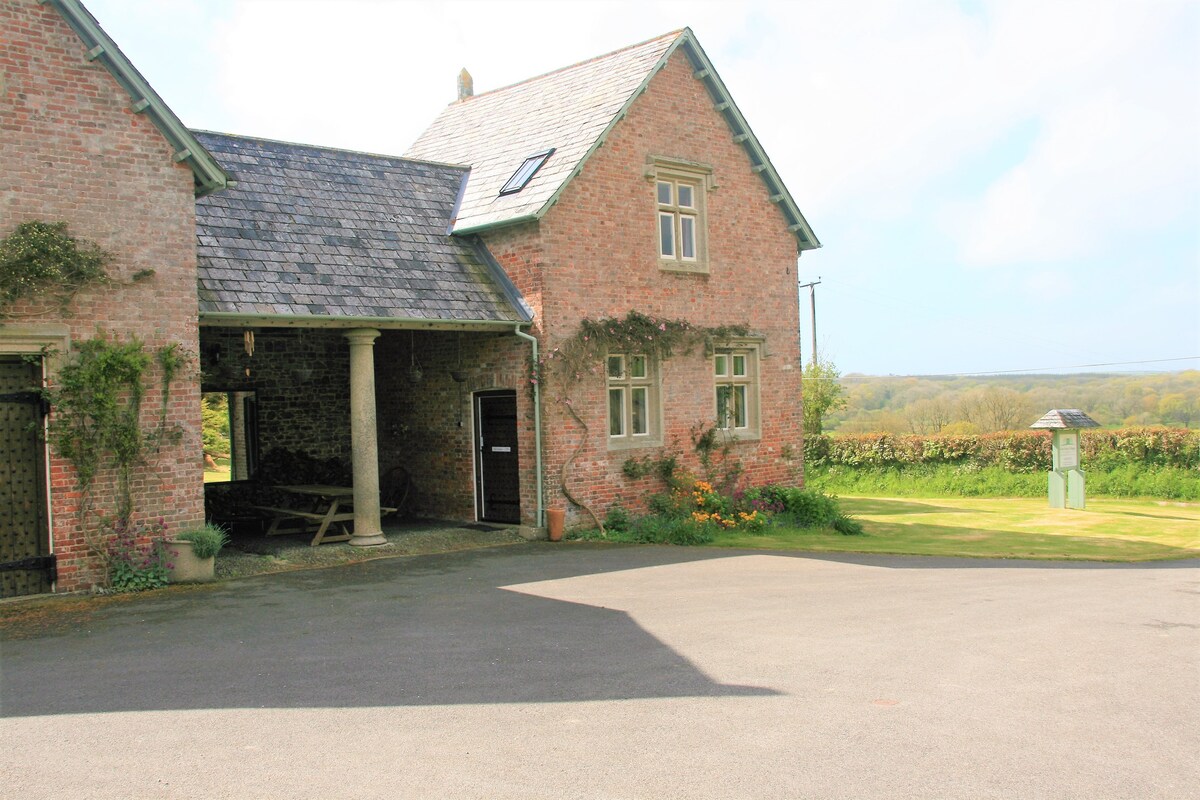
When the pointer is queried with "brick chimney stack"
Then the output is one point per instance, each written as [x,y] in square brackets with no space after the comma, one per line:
[466,86]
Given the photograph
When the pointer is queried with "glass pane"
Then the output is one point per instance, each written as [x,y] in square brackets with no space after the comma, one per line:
[641,422]
[720,365]
[739,365]
[666,235]
[616,412]
[616,366]
[739,406]
[664,193]
[723,396]
[637,366]
[687,236]
[685,196]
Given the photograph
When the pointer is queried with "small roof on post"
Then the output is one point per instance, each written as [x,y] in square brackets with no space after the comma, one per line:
[1065,418]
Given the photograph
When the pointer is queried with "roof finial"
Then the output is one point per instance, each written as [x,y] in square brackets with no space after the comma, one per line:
[466,86]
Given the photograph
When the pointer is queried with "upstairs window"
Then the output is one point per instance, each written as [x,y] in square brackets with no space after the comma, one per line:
[678,220]
[680,192]
[525,172]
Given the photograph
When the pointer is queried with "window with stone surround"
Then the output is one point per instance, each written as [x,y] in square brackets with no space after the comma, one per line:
[633,401]
[735,375]
[681,189]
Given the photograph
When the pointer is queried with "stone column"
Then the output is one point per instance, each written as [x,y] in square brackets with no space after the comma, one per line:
[364,438]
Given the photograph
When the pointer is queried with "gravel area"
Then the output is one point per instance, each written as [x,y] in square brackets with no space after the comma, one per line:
[257,555]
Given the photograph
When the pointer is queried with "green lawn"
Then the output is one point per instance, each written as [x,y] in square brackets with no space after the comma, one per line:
[221,473]
[1108,530]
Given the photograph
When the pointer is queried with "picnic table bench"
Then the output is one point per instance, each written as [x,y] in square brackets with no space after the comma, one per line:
[324,507]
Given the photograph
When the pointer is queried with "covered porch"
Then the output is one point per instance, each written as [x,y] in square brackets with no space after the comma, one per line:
[350,340]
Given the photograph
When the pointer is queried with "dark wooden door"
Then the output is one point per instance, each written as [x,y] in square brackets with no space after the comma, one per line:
[25,566]
[497,477]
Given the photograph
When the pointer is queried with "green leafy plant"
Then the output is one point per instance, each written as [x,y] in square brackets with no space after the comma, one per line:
[40,259]
[617,519]
[135,553]
[97,412]
[206,541]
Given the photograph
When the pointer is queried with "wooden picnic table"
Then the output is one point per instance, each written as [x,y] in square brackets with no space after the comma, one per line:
[318,506]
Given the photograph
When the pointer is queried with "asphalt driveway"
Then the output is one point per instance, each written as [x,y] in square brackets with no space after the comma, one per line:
[575,670]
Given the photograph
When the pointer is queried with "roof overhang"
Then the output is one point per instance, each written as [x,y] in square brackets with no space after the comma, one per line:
[209,176]
[230,319]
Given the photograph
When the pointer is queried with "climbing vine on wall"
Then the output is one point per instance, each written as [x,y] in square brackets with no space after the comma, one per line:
[41,260]
[582,355]
[97,421]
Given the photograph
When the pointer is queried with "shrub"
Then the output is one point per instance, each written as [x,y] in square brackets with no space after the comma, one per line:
[802,508]
[135,554]
[847,525]
[1025,451]
[673,530]
[206,541]
[616,520]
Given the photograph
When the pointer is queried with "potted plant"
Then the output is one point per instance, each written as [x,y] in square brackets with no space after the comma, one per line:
[192,555]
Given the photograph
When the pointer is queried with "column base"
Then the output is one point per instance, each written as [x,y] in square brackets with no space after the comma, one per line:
[367,540]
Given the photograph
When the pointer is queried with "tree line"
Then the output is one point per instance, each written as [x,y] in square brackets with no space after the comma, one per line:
[952,405]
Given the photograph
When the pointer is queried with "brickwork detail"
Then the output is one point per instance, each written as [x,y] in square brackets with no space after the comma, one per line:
[595,254]
[74,151]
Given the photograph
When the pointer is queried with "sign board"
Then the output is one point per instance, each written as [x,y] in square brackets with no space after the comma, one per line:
[1068,451]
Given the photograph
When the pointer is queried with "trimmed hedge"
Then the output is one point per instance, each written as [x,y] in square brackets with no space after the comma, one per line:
[1015,451]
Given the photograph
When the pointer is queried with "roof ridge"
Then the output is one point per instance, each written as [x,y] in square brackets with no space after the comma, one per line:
[675,34]
[329,149]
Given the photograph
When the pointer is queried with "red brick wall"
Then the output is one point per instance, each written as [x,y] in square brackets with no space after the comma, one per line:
[73,151]
[595,254]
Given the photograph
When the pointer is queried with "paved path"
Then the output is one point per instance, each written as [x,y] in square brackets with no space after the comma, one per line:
[554,671]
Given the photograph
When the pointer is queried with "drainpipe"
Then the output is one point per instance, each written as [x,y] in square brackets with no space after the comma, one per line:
[537,426]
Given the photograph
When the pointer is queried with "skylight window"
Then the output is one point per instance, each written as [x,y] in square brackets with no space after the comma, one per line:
[526,171]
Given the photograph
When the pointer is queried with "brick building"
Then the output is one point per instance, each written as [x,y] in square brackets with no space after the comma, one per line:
[645,191]
[84,139]
[383,312]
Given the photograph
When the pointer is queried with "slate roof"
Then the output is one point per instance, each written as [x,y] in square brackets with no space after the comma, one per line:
[1064,418]
[568,110]
[312,231]
[571,110]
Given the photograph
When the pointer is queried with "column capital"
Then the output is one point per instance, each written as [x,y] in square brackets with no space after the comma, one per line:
[362,335]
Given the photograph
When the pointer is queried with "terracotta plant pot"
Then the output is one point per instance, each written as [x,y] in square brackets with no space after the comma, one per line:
[555,519]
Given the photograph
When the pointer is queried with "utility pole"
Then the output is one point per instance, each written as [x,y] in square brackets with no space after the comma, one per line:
[812,304]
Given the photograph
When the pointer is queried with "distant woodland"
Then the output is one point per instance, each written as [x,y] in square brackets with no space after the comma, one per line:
[985,404]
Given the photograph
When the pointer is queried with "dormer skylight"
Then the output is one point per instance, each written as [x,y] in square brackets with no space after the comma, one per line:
[525,172]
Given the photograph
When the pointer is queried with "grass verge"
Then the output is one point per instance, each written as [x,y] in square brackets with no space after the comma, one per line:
[1108,530]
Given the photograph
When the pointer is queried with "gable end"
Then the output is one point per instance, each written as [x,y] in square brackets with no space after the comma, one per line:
[208,174]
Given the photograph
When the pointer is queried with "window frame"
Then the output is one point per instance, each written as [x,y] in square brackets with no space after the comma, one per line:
[533,164]
[626,385]
[749,381]
[674,173]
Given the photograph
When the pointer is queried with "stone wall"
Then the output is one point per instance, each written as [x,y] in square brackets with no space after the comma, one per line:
[302,382]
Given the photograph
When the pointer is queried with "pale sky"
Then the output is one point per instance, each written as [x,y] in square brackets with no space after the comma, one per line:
[997,185]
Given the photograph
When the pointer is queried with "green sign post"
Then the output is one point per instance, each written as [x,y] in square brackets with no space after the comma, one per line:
[1066,488]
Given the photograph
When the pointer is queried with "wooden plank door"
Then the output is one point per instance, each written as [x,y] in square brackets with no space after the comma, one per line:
[25,566]
[497,473]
